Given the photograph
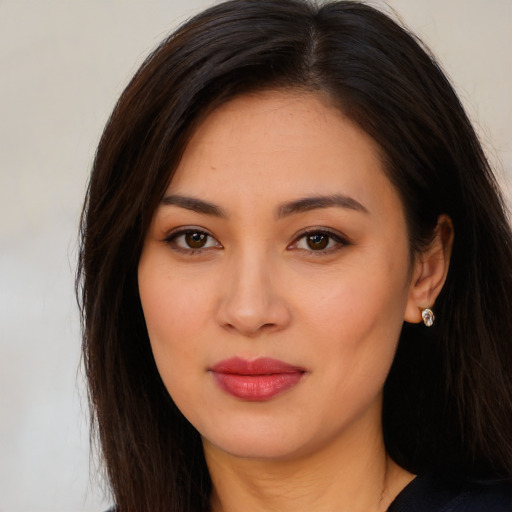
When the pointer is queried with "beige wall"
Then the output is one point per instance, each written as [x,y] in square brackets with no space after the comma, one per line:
[62,65]
[473,41]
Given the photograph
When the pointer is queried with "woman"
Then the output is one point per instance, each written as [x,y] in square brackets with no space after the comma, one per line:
[284,196]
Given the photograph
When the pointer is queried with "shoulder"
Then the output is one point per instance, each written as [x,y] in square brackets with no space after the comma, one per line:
[480,496]
[430,493]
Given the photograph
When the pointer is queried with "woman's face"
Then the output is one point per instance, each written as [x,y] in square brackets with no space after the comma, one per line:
[275,276]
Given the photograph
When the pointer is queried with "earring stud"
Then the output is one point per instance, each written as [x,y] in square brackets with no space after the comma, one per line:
[428,317]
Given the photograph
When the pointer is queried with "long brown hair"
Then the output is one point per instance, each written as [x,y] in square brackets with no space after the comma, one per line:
[447,400]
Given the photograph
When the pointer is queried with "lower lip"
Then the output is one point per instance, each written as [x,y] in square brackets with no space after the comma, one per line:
[257,388]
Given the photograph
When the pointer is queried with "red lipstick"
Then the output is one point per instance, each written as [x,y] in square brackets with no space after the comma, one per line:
[257,380]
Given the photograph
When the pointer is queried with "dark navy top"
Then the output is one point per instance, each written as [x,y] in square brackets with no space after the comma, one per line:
[427,493]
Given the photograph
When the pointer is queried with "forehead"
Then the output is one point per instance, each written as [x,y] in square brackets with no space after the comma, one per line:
[280,144]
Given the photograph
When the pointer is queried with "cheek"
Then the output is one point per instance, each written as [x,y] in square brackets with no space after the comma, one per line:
[360,330]
[357,319]
[358,299]
[173,299]
[174,312]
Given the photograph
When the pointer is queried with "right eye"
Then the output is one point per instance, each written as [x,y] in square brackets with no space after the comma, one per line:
[192,240]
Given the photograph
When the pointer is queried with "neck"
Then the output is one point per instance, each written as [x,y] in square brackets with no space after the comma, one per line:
[343,475]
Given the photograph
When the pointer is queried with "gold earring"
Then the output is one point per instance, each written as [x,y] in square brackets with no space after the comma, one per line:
[428,317]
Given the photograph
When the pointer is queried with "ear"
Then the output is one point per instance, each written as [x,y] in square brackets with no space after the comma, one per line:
[429,271]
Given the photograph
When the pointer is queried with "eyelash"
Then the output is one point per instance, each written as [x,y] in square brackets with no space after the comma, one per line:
[172,238]
[337,238]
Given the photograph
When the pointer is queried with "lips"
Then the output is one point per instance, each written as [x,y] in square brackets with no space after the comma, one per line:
[257,380]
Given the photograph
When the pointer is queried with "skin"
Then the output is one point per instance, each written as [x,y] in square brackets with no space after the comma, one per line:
[258,289]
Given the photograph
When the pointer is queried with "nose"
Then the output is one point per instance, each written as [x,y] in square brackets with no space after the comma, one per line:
[251,303]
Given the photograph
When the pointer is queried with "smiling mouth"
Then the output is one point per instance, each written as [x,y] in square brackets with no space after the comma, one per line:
[257,380]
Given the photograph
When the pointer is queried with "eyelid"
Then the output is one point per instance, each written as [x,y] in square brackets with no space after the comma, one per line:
[175,233]
[340,239]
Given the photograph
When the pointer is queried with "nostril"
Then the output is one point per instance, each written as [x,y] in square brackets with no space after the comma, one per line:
[249,330]
[251,306]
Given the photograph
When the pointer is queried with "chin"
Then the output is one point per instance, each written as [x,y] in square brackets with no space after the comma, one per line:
[260,449]
[265,443]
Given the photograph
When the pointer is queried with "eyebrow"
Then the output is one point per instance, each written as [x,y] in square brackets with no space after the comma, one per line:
[312,203]
[304,204]
[196,205]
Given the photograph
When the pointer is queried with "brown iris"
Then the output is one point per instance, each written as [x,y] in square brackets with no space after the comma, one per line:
[196,240]
[317,242]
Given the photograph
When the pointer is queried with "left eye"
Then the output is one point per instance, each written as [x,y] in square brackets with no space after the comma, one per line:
[317,241]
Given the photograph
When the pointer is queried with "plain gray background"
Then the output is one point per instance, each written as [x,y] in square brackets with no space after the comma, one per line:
[62,66]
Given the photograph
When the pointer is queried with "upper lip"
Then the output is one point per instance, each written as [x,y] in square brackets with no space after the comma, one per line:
[260,366]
